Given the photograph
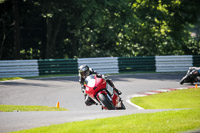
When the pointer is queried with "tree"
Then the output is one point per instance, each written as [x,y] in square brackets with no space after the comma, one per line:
[33,29]
[16,29]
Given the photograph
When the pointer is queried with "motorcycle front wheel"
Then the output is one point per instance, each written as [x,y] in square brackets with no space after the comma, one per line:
[107,103]
[183,80]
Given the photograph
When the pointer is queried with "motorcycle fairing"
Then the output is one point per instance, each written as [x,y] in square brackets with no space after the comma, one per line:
[96,86]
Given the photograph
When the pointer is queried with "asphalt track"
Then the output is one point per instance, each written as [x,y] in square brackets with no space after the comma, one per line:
[66,90]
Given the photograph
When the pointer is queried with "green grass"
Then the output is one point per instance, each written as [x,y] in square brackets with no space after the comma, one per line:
[160,122]
[52,75]
[23,108]
[11,78]
[41,76]
[189,98]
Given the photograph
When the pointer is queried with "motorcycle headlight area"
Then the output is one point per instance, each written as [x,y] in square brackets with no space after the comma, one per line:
[91,83]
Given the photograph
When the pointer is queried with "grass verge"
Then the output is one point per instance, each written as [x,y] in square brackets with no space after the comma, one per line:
[42,76]
[23,108]
[11,78]
[161,122]
[188,98]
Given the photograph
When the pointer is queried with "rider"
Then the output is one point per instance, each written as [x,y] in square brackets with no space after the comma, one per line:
[85,71]
[195,71]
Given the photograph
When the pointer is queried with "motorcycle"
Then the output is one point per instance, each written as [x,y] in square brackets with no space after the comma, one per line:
[191,76]
[101,92]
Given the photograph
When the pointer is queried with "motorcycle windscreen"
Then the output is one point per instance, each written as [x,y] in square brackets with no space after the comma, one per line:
[91,83]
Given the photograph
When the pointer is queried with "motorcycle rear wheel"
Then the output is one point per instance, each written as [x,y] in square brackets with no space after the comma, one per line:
[104,99]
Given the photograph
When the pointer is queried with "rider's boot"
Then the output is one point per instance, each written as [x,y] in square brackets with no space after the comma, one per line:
[118,91]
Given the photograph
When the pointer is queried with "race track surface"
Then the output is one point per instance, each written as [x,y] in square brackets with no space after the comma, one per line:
[66,90]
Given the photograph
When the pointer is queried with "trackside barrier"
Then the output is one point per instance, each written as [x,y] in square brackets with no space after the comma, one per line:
[103,65]
[173,63]
[58,66]
[139,63]
[18,68]
[196,60]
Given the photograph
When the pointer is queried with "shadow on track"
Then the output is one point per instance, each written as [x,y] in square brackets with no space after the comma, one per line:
[122,77]
[149,76]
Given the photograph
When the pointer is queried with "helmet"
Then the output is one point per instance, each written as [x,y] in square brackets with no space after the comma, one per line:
[84,71]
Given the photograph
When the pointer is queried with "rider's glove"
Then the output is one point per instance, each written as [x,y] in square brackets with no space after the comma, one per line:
[83,88]
[99,75]
[104,77]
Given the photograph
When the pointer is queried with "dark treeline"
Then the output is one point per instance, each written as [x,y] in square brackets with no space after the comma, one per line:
[39,29]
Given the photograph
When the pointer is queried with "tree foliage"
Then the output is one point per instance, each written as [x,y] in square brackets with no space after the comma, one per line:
[33,29]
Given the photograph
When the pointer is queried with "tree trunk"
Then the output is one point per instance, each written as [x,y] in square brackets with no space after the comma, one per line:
[3,40]
[52,36]
[16,30]
[48,36]
[55,34]
[74,46]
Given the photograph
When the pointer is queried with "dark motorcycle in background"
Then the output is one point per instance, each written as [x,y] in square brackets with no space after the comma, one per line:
[192,75]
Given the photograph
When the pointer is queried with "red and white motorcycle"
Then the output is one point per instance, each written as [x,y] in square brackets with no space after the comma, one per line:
[101,92]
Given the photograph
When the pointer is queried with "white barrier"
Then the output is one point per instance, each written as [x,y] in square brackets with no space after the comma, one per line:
[103,65]
[19,68]
[173,63]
